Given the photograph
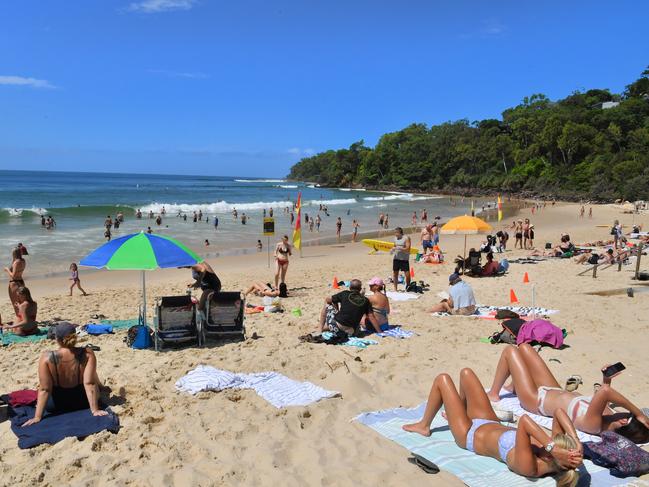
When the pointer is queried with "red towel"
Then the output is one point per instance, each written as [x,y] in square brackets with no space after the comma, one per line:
[26,397]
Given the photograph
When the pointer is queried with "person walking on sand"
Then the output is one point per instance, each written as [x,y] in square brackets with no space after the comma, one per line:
[424,216]
[590,212]
[386,222]
[526,234]
[355,226]
[282,252]
[339,226]
[518,233]
[401,260]
[318,221]
[74,277]
[15,273]
[413,221]
[582,210]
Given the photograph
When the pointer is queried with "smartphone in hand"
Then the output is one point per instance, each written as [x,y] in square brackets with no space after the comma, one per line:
[611,370]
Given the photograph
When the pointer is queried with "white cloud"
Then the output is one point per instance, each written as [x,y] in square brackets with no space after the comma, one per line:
[23,81]
[156,6]
[492,27]
[180,74]
[296,151]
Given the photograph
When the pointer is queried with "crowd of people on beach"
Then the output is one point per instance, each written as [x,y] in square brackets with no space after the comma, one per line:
[68,378]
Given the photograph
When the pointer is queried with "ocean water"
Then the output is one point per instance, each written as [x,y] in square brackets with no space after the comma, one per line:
[80,202]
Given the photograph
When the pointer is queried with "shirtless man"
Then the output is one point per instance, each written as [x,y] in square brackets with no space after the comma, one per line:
[426,239]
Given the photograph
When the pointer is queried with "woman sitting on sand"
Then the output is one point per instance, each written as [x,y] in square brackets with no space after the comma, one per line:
[25,323]
[15,274]
[380,305]
[261,289]
[526,450]
[67,377]
[540,393]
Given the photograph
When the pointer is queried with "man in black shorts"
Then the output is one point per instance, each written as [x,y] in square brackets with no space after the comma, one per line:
[344,311]
[401,261]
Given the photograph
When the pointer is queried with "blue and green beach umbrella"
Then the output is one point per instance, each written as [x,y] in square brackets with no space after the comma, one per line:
[141,252]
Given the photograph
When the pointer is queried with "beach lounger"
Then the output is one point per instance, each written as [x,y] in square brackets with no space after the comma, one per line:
[175,321]
[224,317]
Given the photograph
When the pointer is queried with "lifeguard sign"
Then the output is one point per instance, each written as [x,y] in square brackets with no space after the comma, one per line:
[269,227]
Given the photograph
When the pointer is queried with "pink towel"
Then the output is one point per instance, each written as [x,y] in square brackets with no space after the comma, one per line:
[541,331]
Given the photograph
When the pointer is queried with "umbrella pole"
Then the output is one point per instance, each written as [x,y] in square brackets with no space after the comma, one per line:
[143,299]
[464,256]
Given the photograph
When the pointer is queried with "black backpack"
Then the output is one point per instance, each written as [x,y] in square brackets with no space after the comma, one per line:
[510,330]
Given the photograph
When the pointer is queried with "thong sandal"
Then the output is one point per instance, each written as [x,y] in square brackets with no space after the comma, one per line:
[426,465]
[573,382]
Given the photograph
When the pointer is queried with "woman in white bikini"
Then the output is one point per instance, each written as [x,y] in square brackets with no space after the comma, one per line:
[526,450]
[282,252]
[540,393]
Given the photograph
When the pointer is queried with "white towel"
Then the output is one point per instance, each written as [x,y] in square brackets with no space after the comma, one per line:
[275,388]
[395,296]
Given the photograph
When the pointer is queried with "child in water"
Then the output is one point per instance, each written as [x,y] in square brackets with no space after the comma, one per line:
[74,277]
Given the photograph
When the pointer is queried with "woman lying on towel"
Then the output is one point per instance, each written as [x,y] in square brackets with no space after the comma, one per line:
[261,289]
[526,450]
[67,377]
[540,393]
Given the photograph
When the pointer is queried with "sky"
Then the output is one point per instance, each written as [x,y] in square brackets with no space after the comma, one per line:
[248,88]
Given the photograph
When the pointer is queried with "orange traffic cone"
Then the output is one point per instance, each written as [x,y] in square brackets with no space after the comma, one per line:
[512,297]
[526,278]
[412,273]
[335,284]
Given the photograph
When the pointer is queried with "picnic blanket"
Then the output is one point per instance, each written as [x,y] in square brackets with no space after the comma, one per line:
[474,470]
[395,331]
[275,388]
[352,341]
[55,427]
[489,312]
[396,296]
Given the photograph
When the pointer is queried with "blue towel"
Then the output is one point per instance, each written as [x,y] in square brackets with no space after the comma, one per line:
[55,427]
[95,329]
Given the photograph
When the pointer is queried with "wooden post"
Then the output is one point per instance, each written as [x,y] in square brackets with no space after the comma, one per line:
[595,271]
[637,263]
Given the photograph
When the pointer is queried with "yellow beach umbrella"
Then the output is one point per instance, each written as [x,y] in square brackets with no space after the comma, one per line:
[465,225]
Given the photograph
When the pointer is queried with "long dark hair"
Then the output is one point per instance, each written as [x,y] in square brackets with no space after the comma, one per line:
[24,291]
[635,431]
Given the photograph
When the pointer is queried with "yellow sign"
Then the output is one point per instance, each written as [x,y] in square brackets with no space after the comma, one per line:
[269,227]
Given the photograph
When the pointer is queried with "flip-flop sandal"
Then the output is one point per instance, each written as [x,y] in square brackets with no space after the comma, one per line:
[573,382]
[426,465]
[596,386]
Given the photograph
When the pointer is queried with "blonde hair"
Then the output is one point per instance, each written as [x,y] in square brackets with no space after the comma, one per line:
[565,478]
[69,341]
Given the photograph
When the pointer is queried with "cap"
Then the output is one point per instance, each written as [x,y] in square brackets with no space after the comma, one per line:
[64,329]
[375,281]
[453,278]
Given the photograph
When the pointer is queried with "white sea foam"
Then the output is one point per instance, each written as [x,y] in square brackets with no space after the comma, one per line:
[260,180]
[352,189]
[347,201]
[225,207]
[400,196]
[20,211]
[286,186]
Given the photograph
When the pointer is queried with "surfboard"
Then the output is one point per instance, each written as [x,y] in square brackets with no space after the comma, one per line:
[383,246]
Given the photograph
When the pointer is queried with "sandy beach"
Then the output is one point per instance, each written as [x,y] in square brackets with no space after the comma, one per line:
[237,438]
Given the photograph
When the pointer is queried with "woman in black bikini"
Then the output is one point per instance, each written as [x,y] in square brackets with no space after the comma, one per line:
[206,279]
[15,274]
[282,251]
[67,377]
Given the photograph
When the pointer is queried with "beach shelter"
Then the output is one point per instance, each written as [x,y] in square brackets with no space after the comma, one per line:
[141,252]
[465,225]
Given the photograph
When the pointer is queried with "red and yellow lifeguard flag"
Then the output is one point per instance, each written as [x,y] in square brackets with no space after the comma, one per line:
[297,231]
[500,208]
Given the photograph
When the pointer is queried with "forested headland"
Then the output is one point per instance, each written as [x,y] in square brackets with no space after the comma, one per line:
[590,145]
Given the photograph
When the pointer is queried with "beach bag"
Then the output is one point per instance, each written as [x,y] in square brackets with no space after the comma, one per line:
[138,337]
[283,290]
[619,454]
[510,330]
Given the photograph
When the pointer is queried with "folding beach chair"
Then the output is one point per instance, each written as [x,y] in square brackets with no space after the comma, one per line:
[175,321]
[224,317]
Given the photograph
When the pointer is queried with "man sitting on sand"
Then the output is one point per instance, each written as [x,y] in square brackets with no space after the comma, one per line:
[460,301]
[344,311]
[492,266]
